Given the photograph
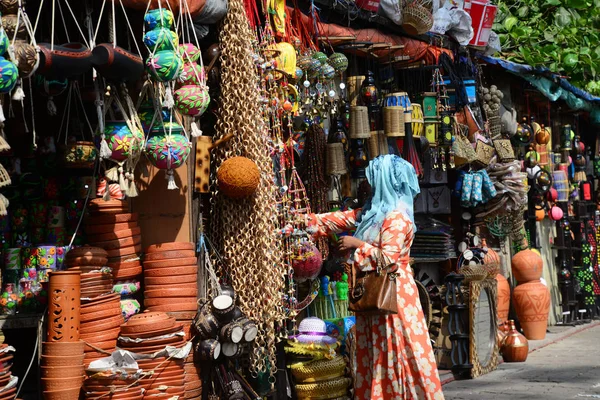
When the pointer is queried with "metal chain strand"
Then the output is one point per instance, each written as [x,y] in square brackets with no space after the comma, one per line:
[244,231]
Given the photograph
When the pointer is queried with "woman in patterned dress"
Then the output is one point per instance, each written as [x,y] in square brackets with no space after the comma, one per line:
[394,358]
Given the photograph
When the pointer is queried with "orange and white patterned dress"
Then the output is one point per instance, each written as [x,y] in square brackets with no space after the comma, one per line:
[395,360]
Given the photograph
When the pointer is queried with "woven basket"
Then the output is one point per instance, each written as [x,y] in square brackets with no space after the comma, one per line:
[319,370]
[495,124]
[354,86]
[416,19]
[474,273]
[336,159]
[323,390]
[377,144]
[4,177]
[359,122]
[393,121]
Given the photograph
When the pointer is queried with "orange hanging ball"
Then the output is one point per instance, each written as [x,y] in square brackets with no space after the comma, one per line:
[540,215]
[238,177]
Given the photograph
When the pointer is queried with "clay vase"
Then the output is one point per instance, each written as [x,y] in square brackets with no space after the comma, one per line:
[515,347]
[532,303]
[503,298]
[527,266]
[63,306]
[491,257]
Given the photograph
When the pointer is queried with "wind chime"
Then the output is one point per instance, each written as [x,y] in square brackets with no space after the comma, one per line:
[438,125]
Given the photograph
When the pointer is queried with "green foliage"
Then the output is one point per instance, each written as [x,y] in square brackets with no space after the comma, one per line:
[563,35]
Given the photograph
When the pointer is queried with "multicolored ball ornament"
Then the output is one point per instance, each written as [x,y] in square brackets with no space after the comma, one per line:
[189,52]
[192,100]
[168,147]
[161,39]
[121,140]
[238,177]
[4,42]
[299,73]
[192,74]
[164,65]
[146,115]
[308,264]
[552,194]
[303,62]
[322,57]
[8,75]
[327,72]
[555,213]
[159,18]
[314,67]
[339,62]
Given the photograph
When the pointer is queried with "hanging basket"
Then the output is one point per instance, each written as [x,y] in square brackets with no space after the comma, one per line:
[417,19]
[116,63]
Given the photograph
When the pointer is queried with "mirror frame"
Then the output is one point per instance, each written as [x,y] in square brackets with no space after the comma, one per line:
[491,288]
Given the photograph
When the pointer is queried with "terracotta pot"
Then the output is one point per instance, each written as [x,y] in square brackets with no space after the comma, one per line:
[98,204]
[170,390]
[73,371]
[154,349]
[532,303]
[160,301]
[178,262]
[515,346]
[127,273]
[107,325]
[147,321]
[86,251]
[186,316]
[149,364]
[118,243]
[125,251]
[170,292]
[86,261]
[67,394]
[95,316]
[153,333]
[169,254]
[193,385]
[503,298]
[62,383]
[157,342]
[104,345]
[62,361]
[189,285]
[9,394]
[527,266]
[174,307]
[193,394]
[171,271]
[160,247]
[63,348]
[104,335]
[491,256]
[169,280]
[106,228]
[101,299]
[63,306]
[102,237]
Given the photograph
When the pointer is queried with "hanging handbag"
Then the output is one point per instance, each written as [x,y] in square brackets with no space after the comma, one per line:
[374,292]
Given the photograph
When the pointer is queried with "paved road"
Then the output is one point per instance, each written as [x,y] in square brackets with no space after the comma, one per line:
[569,369]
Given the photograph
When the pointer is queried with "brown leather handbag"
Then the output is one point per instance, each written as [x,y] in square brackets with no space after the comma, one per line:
[374,292]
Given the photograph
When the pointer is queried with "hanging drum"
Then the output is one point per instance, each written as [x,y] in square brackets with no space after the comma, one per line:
[117,64]
[66,61]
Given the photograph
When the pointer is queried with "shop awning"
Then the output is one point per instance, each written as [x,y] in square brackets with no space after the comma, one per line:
[552,85]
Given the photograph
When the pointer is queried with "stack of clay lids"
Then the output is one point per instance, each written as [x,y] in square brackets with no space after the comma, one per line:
[100,324]
[96,279]
[193,382]
[170,277]
[99,386]
[8,387]
[62,369]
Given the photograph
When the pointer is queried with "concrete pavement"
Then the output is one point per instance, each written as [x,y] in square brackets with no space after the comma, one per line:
[566,369]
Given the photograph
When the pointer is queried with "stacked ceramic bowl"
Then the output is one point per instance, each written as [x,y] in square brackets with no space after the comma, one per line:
[62,369]
[149,333]
[170,277]
[100,322]
[8,383]
[99,387]
[112,227]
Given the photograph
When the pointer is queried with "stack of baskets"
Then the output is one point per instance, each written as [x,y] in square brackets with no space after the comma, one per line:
[321,379]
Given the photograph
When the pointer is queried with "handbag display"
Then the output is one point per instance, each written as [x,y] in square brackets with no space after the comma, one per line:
[374,292]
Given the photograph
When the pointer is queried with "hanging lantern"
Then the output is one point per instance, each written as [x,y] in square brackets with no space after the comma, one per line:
[192,100]
[368,91]
[192,74]
[8,75]
[161,39]
[320,56]
[121,141]
[339,62]
[189,52]
[168,148]
[327,72]
[164,65]
[159,18]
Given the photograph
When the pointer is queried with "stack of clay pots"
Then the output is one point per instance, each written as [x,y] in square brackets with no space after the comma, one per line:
[170,277]
[531,297]
[96,279]
[112,227]
[149,333]
[99,388]
[101,320]
[8,383]
[63,351]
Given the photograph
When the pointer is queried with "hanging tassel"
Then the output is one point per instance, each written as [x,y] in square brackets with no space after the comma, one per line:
[132,190]
[51,106]
[122,183]
[104,149]
[171,185]
[169,102]
[112,174]
[19,94]
[196,131]
[3,205]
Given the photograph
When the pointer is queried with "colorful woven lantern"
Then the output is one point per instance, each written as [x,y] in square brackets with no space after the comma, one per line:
[339,62]
[192,74]
[164,65]
[168,148]
[189,52]
[314,67]
[161,39]
[159,18]
[238,177]
[308,264]
[8,75]
[192,100]
[322,57]
[122,142]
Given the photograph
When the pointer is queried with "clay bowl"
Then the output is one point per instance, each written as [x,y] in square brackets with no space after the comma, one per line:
[63,348]
[147,365]
[173,390]
[189,285]
[95,355]
[175,262]
[147,321]
[153,333]
[107,325]
[161,247]
[99,307]
[105,382]
[94,316]
[169,280]
[115,235]
[157,342]
[66,394]
[91,285]
[127,273]
[100,300]
[169,255]
[104,345]
[118,243]
[125,251]
[85,251]
[168,369]
[111,219]
[171,271]
[106,228]
[159,301]
[169,381]
[154,349]
[62,372]
[61,361]
[106,287]
[148,294]
[174,307]
[102,336]
[62,383]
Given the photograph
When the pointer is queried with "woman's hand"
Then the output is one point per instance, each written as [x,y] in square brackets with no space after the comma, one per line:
[346,243]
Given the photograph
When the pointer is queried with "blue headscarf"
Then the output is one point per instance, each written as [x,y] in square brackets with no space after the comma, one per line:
[394,185]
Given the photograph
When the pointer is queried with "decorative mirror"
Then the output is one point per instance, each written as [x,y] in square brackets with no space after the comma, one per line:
[483,347]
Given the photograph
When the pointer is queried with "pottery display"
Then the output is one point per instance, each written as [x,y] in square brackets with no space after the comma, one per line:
[532,304]
[515,347]
[101,318]
[527,266]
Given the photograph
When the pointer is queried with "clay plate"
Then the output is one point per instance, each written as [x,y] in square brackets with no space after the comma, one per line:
[155,248]
[108,334]
[172,271]
[104,345]
[118,243]
[151,325]
[183,292]
[119,234]
[62,348]
[85,251]
[174,307]
[160,301]
[125,251]
[107,228]
[157,342]
[101,299]
[170,254]
[61,383]
[146,318]
[154,333]
[95,293]
[101,306]
[169,280]
[111,219]
[175,262]
[127,273]
[62,372]
[86,261]
[190,285]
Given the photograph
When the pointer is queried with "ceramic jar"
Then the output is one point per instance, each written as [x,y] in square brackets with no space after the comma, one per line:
[192,74]
[121,141]
[63,306]
[527,266]
[168,147]
[192,100]
[164,65]
[159,39]
[532,303]
[515,346]
[503,298]
[8,75]
[80,154]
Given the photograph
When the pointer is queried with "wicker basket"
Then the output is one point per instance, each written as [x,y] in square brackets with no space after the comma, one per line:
[416,19]
[319,370]
[393,121]
[359,122]
[323,390]
[354,86]
[495,124]
[474,273]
